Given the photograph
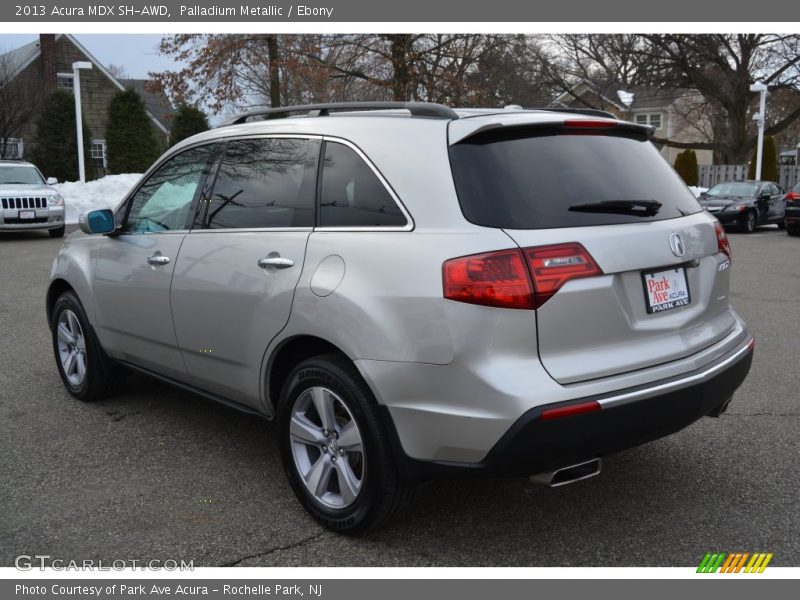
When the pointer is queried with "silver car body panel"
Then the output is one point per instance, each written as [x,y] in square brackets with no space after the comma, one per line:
[453,376]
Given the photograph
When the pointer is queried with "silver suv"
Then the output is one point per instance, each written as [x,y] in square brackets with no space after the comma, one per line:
[27,201]
[412,292]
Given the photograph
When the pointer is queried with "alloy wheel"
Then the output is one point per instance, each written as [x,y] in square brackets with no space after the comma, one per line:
[71,347]
[327,447]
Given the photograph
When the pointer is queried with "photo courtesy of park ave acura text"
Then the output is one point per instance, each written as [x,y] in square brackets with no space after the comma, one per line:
[399,300]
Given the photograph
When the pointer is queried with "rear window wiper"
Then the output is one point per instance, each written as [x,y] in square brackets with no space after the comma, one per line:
[644,208]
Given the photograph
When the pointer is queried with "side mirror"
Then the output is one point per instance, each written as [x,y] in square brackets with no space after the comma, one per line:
[52,181]
[97,221]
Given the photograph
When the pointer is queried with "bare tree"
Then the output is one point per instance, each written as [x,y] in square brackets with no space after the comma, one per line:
[18,102]
[721,68]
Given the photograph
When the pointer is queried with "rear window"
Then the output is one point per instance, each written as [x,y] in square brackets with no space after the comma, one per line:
[530,179]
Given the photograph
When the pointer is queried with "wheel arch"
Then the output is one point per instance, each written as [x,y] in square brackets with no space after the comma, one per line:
[289,353]
[57,287]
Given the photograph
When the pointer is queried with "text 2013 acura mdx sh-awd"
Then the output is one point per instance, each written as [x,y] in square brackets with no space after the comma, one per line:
[412,292]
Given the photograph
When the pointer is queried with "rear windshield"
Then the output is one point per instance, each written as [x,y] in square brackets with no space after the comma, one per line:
[535,179]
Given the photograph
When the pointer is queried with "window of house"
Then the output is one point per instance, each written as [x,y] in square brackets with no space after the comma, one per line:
[652,119]
[352,195]
[98,151]
[65,81]
[13,148]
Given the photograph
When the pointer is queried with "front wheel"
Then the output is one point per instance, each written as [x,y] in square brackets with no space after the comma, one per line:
[335,448]
[85,369]
[749,223]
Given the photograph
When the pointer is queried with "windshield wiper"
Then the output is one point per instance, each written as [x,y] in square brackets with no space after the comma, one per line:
[644,208]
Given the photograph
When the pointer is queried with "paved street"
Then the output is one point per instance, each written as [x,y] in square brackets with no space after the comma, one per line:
[156,473]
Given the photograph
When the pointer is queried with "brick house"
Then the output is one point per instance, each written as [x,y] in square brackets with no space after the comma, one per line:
[673,113]
[46,64]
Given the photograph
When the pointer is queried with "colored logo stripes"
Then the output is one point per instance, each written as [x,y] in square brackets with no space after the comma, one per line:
[734,562]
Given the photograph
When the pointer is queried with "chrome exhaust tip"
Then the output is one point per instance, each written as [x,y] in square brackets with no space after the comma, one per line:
[720,410]
[570,474]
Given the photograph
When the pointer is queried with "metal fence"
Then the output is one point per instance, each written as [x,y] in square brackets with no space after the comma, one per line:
[789,175]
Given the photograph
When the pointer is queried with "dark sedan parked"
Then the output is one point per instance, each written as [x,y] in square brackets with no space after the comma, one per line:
[793,211]
[745,204]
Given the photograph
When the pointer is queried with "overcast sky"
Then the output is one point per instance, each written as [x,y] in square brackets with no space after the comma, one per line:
[135,53]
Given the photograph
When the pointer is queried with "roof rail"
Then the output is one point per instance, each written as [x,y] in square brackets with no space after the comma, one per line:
[590,112]
[417,109]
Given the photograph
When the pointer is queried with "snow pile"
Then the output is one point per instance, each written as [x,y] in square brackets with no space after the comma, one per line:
[102,193]
[697,190]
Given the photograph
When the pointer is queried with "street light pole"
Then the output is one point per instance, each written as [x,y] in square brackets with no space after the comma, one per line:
[76,86]
[760,118]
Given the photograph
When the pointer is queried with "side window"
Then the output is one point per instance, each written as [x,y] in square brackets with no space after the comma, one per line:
[352,195]
[163,202]
[265,182]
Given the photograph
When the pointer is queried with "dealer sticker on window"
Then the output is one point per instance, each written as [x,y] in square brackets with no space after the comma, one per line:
[665,290]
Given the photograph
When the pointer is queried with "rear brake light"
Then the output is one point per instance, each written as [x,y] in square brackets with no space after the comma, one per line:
[723,245]
[590,123]
[492,279]
[503,279]
[569,411]
[793,196]
[552,266]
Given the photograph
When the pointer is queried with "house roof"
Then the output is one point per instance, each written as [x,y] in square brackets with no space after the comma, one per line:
[620,96]
[155,102]
[23,56]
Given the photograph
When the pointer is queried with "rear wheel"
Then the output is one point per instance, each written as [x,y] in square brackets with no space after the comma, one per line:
[749,223]
[781,224]
[57,232]
[85,369]
[335,448]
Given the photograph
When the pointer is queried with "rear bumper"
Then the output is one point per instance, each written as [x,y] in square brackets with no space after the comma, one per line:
[626,419]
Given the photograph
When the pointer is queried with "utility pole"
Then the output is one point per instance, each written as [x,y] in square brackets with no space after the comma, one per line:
[760,118]
[76,85]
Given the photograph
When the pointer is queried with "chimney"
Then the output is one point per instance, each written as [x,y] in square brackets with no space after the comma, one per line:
[47,44]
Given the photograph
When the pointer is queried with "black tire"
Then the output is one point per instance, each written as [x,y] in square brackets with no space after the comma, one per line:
[750,222]
[781,225]
[101,373]
[793,230]
[57,232]
[383,494]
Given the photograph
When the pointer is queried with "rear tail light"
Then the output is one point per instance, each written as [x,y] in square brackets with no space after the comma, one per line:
[553,266]
[493,279]
[723,245]
[791,196]
[503,279]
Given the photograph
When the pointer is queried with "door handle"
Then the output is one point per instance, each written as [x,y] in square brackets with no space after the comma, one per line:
[157,260]
[275,261]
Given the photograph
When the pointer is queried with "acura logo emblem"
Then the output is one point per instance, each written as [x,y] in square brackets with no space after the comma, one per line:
[676,245]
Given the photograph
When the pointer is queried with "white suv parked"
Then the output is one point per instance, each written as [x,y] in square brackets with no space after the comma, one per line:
[412,292]
[27,201]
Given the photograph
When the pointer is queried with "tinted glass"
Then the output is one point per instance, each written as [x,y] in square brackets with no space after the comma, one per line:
[352,195]
[163,202]
[264,182]
[20,175]
[530,179]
